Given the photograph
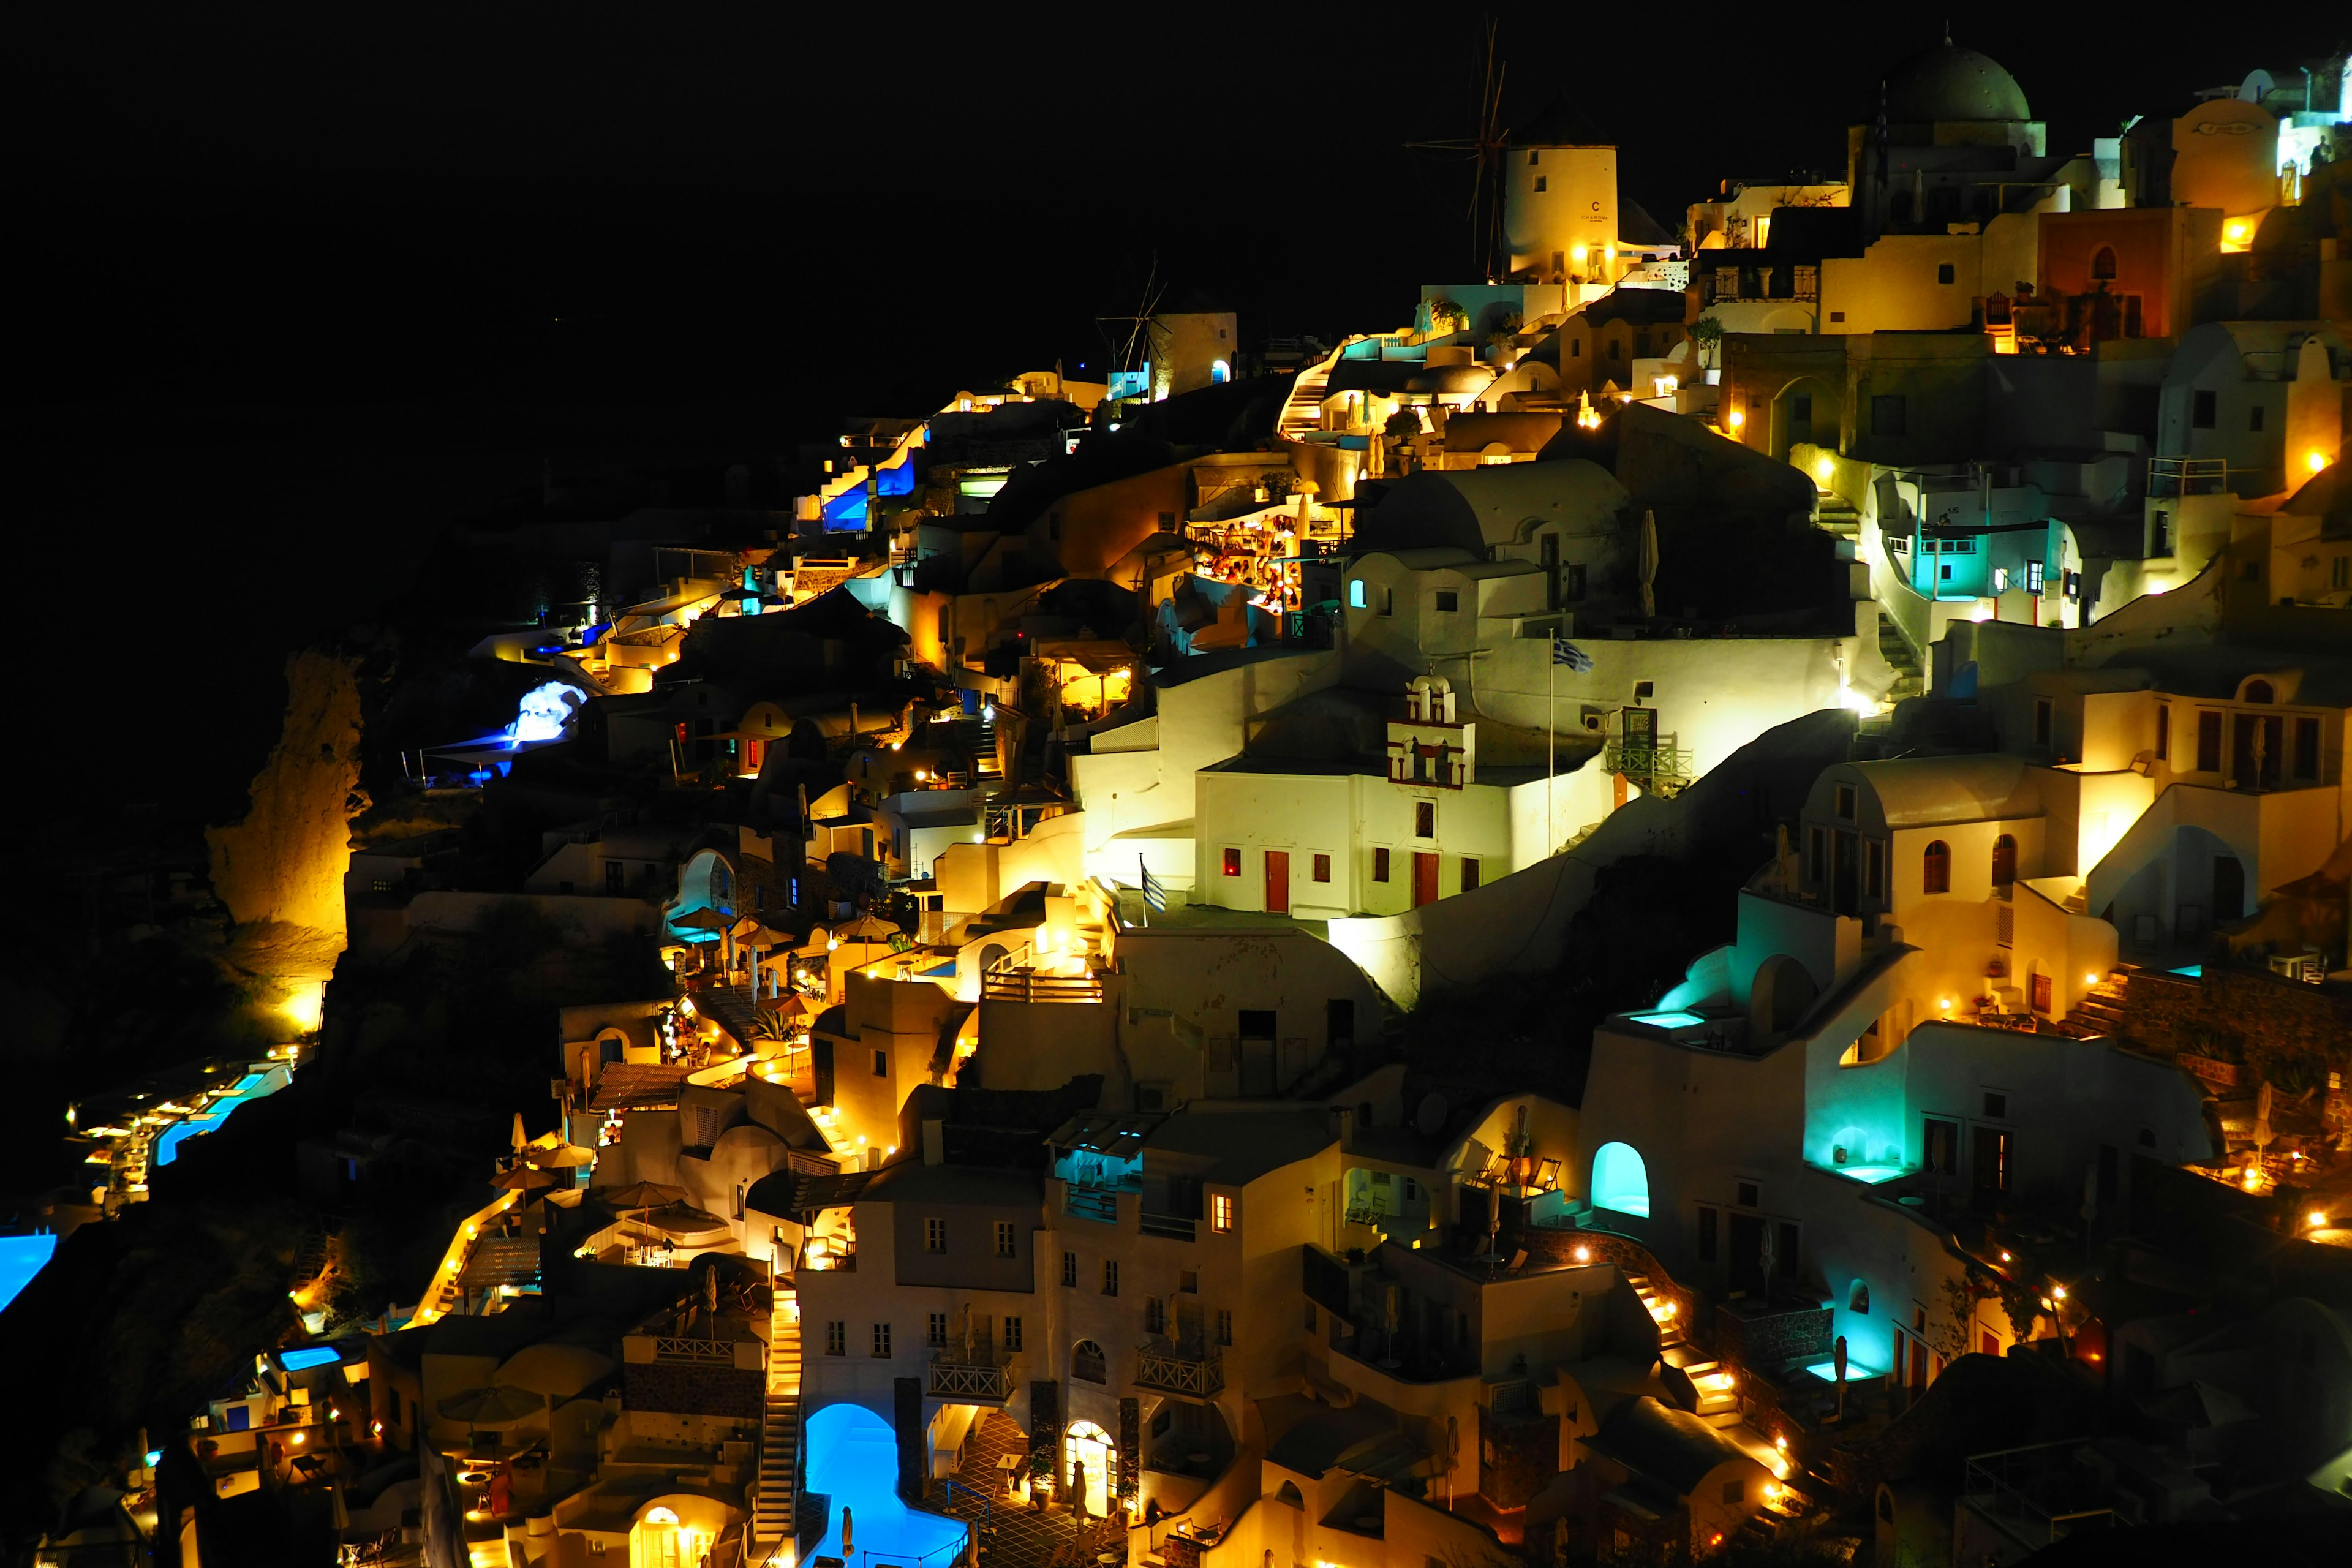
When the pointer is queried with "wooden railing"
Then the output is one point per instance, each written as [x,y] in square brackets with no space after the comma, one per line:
[701,1352]
[1171,1368]
[970,1375]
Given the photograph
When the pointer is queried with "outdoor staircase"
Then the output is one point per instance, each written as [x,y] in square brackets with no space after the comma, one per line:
[1302,411]
[1833,514]
[772,1495]
[2101,1010]
[1717,1399]
[1908,680]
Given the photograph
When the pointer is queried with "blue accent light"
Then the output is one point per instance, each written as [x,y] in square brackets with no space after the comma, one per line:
[1621,1180]
[2193,970]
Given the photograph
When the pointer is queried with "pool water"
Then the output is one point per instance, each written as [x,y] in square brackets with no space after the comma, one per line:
[309,1355]
[853,1462]
[1855,1370]
[21,1258]
[252,1086]
[1674,1018]
[2193,970]
[1869,1175]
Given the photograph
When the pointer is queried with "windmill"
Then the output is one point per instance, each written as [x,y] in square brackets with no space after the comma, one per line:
[1484,148]
[1140,346]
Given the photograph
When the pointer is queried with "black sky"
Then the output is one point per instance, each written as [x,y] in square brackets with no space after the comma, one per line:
[291,288]
[820,211]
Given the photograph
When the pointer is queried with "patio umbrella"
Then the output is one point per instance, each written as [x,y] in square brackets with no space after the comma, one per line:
[496,1406]
[525,1178]
[639,1196]
[868,927]
[685,1219]
[1649,563]
[566,1157]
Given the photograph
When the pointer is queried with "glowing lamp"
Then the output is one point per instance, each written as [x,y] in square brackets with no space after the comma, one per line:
[1945,1004]
[1824,469]
[297,1439]
[2090,980]
[2315,460]
[1782,1441]
[2057,1292]
[2317,1219]
[1738,419]
[1585,1255]
[2005,1257]
[2237,230]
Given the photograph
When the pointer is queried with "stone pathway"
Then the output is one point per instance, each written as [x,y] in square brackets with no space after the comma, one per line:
[1012,1533]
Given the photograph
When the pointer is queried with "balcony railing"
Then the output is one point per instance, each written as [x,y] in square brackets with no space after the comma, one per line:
[1196,1370]
[1662,770]
[1173,1227]
[971,1375]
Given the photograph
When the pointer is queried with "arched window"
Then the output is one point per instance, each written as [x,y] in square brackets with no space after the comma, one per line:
[2004,861]
[1885,1505]
[2103,265]
[1936,868]
[2258,691]
[1857,1297]
[1087,1362]
[1290,1494]
[1621,1180]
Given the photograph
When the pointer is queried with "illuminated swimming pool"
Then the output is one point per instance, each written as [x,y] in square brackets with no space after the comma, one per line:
[309,1355]
[1855,1370]
[252,1086]
[2194,971]
[21,1258]
[853,1462]
[1674,1019]
[1870,1176]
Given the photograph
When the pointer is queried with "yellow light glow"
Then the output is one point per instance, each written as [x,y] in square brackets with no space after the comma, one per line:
[1824,469]
[1738,419]
[2317,1219]
[2005,1257]
[298,1439]
[1782,1443]
[1585,1255]
[1577,254]
[2315,460]
[2057,1292]
[2090,980]
[1945,1003]
[2237,230]
[2252,1179]
[306,1008]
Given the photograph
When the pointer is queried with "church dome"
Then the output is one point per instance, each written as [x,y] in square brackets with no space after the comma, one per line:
[1947,82]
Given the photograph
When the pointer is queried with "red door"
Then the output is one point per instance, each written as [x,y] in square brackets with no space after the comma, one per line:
[1277,881]
[1425,877]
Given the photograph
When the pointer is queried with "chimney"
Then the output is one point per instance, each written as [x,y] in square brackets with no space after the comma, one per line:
[1343,1124]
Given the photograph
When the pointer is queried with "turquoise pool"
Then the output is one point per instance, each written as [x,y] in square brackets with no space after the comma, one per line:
[853,1462]
[1672,1018]
[1869,1175]
[21,1258]
[252,1086]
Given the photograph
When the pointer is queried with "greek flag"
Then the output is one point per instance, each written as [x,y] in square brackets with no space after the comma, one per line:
[1154,896]
[1566,652]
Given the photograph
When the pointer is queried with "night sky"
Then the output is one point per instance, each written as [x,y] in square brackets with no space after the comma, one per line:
[292,288]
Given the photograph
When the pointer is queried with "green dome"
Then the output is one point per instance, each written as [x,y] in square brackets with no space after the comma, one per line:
[1947,82]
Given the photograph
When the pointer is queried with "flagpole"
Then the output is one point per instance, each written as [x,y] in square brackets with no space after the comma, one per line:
[1551,713]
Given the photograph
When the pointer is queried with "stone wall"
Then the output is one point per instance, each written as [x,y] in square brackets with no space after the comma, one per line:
[2265,1025]
[693,1390]
[1516,1457]
[1770,1340]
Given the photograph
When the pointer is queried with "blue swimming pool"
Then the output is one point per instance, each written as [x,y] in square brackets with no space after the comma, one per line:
[853,1462]
[309,1355]
[252,1086]
[21,1258]
[1672,1018]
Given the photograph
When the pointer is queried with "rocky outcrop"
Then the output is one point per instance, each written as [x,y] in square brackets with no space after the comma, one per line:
[280,870]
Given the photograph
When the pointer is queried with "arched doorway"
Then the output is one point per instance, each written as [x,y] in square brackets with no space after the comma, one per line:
[1621,1180]
[1806,410]
[1779,994]
[1087,1444]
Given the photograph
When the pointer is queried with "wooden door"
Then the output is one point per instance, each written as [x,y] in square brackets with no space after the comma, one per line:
[1425,877]
[1277,881]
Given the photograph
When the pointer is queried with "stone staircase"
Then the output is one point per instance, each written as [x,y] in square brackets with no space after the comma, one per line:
[1712,1393]
[1833,514]
[1909,680]
[1302,411]
[2100,1013]
[772,1494]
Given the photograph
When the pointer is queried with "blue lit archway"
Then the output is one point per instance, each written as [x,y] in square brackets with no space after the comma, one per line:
[1620,1180]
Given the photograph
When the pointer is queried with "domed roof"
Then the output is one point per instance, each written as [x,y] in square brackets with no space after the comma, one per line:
[1945,81]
